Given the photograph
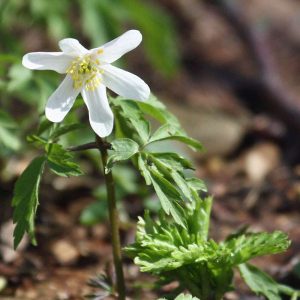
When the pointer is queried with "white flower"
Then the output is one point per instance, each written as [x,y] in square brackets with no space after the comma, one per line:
[89,72]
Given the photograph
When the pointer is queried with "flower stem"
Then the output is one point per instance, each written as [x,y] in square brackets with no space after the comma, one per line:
[114,220]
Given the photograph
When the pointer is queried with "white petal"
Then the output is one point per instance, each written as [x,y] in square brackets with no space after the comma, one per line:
[56,61]
[61,101]
[125,84]
[72,47]
[116,48]
[100,114]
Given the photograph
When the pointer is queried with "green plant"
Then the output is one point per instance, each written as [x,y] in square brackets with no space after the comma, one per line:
[174,247]
[201,265]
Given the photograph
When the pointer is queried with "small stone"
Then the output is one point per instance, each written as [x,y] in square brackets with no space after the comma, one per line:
[260,161]
[64,252]
[63,295]
[3,283]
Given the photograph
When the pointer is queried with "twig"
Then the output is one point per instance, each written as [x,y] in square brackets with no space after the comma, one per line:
[88,146]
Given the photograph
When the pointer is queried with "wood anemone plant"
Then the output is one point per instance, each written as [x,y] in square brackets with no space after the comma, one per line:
[173,246]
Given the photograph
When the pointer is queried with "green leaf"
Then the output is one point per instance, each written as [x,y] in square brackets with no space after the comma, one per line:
[172,165]
[60,161]
[196,184]
[165,248]
[122,149]
[163,245]
[182,184]
[65,128]
[167,132]
[199,221]
[173,160]
[164,171]
[250,245]
[142,165]
[204,267]
[157,110]
[131,113]
[135,110]
[168,196]
[142,127]
[25,200]
[38,141]
[262,284]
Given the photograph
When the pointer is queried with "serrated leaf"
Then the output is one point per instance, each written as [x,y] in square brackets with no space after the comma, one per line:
[165,248]
[167,132]
[143,169]
[182,184]
[133,112]
[163,132]
[38,141]
[173,160]
[25,200]
[157,110]
[168,196]
[60,161]
[250,245]
[162,245]
[196,184]
[168,188]
[142,127]
[261,283]
[199,222]
[172,167]
[122,149]
[64,129]
[133,115]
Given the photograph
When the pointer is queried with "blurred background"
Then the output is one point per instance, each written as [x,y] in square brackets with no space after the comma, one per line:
[229,70]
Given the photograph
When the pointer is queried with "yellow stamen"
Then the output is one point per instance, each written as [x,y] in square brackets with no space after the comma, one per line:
[85,72]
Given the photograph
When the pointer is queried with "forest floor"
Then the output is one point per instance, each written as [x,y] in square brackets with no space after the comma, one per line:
[251,164]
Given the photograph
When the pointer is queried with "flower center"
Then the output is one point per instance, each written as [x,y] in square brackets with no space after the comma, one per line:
[85,72]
